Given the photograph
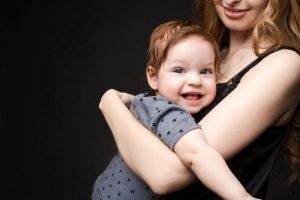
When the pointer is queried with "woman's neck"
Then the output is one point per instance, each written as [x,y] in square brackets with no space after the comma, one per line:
[240,40]
[244,40]
[238,54]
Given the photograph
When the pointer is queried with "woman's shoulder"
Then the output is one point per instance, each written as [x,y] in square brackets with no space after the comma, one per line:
[292,56]
[283,63]
[277,79]
[287,52]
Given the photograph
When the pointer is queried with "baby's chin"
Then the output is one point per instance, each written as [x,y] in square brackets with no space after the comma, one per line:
[193,111]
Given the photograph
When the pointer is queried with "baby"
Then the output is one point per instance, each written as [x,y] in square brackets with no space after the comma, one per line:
[181,72]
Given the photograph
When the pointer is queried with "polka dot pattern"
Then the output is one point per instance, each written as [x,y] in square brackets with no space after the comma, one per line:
[117,182]
[168,122]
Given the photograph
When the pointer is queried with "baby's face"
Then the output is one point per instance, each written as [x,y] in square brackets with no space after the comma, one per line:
[187,76]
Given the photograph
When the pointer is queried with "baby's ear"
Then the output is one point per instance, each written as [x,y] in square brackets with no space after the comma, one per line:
[152,77]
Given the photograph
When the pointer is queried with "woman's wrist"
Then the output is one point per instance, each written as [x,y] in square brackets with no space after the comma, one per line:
[106,98]
[249,197]
[113,95]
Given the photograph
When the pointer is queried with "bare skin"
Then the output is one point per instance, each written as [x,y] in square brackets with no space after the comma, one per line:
[262,107]
[267,96]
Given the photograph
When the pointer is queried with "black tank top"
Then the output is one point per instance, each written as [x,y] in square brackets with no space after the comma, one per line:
[253,165]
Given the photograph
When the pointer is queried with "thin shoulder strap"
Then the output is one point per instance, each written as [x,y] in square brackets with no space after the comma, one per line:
[237,78]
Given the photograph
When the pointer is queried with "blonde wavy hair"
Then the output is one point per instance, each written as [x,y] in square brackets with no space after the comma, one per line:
[280,23]
[280,19]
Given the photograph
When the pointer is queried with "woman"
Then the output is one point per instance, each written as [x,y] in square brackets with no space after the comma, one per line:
[255,110]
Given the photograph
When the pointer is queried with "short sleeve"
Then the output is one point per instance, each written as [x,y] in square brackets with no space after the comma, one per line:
[169,122]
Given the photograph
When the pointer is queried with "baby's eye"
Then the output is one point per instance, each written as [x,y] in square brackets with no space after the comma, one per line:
[178,70]
[206,71]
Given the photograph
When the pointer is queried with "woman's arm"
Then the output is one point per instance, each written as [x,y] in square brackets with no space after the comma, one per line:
[145,154]
[267,96]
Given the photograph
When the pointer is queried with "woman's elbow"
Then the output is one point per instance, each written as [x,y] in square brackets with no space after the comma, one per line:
[163,186]
[170,179]
[159,189]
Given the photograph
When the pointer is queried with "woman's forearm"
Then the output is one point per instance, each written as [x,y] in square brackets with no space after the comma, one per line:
[145,154]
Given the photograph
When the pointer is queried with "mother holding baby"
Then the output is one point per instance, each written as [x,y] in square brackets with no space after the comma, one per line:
[254,122]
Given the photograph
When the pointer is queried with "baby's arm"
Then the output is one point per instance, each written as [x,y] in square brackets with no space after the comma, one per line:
[174,126]
[209,166]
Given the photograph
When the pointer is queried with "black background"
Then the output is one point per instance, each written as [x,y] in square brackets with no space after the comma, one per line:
[60,57]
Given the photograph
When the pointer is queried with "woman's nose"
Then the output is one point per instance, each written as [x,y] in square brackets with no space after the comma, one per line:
[230,2]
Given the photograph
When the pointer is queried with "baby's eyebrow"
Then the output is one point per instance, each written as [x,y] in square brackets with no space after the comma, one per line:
[208,64]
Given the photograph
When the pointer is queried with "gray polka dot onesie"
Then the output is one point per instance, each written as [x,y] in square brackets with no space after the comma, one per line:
[169,122]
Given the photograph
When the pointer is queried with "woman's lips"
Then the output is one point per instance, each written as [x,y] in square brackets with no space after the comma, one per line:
[233,13]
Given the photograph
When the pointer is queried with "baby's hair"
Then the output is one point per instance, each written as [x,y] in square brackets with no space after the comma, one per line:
[166,35]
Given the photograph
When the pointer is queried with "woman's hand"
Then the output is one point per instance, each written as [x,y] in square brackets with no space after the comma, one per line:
[124,97]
